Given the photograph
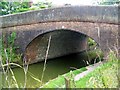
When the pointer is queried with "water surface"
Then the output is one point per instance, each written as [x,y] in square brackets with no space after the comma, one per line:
[54,68]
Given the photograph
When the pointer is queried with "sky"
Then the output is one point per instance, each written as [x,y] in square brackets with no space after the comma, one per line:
[72,2]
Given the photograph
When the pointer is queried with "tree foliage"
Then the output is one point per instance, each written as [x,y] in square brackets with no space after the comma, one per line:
[109,2]
[15,7]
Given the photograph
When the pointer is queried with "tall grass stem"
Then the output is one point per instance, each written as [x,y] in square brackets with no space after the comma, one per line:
[47,51]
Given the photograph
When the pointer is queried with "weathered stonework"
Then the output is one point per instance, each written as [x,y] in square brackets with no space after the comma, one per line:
[65,25]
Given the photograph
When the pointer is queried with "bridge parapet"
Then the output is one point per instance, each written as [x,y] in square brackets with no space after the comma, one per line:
[99,14]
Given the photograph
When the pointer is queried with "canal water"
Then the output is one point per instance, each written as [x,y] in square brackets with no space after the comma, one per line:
[54,68]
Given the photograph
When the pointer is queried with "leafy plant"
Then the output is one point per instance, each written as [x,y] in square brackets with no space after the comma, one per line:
[12,7]
[91,43]
[16,7]
[9,51]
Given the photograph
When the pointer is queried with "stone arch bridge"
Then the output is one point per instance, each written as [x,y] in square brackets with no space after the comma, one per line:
[68,28]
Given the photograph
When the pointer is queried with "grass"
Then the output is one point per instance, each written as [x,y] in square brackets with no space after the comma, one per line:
[59,81]
[104,76]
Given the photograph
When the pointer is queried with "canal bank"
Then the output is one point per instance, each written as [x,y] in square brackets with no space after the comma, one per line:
[103,74]
[54,68]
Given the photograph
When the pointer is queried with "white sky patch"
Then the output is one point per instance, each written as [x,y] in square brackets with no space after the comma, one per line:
[72,2]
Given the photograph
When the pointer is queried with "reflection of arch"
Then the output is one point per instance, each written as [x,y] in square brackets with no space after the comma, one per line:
[63,42]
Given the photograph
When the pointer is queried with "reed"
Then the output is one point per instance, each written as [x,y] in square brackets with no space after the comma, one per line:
[47,51]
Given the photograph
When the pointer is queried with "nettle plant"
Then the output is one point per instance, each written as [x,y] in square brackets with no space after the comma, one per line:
[91,43]
[9,51]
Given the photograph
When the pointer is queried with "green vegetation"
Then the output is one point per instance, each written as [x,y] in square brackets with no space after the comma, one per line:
[104,76]
[41,5]
[9,50]
[59,82]
[8,55]
[91,43]
[25,5]
[108,2]
[13,7]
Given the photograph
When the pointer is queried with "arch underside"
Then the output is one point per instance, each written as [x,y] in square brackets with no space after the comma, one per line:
[62,43]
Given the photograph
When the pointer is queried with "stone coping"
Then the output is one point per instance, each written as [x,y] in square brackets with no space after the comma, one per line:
[99,14]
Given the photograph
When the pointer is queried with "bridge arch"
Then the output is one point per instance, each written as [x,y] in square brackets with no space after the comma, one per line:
[34,30]
[63,42]
[102,25]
